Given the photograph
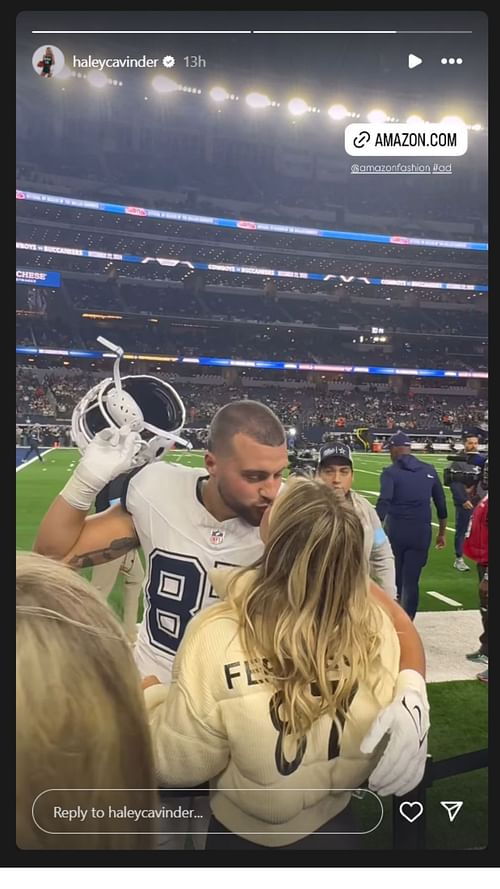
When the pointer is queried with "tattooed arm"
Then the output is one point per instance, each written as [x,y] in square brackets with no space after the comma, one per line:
[90,548]
[68,535]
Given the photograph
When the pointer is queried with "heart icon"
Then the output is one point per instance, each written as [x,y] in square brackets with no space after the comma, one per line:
[411,811]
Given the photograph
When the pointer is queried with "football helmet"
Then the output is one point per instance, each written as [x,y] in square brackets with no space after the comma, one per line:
[145,403]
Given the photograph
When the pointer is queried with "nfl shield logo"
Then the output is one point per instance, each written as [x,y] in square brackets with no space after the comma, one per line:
[216,537]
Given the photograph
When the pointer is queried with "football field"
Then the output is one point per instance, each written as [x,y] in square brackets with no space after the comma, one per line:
[37,485]
[448,609]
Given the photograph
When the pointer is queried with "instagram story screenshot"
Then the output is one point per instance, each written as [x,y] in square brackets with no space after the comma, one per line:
[252,437]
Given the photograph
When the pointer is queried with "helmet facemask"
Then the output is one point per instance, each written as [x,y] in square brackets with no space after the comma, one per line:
[145,403]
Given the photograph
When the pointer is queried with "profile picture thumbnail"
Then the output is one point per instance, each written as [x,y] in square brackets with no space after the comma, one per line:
[48,61]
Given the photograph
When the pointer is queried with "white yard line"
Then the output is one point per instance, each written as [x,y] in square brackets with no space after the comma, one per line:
[444,598]
[369,472]
[32,460]
[448,528]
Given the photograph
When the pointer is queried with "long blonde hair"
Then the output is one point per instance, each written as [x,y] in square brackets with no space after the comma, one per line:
[81,721]
[307,616]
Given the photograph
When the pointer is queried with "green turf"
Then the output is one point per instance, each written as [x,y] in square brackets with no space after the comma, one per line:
[37,486]
[458,709]
[439,574]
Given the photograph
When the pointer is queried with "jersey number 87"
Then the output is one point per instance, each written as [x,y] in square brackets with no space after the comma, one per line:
[177,588]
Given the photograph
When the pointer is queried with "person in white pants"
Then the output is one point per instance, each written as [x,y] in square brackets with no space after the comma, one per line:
[104,578]
[129,565]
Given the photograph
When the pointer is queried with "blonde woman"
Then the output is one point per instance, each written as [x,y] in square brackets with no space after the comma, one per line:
[80,716]
[283,692]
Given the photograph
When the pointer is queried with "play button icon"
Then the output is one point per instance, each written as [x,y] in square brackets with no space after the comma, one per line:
[413,61]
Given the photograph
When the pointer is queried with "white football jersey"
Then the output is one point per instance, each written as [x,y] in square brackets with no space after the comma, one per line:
[181,543]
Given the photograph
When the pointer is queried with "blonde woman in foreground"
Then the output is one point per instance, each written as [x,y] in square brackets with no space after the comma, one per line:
[80,715]
[283,692]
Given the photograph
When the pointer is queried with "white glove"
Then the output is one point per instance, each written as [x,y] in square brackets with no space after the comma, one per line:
[110,453]
[406,721]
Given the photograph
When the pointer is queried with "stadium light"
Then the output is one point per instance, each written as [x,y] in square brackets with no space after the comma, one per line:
[476,126]
[292,431]
[414,120]
[258,100]
[219,94]
[452,120]
[377,116]
[164,84]
[97,79]
[297,106]
[338,112]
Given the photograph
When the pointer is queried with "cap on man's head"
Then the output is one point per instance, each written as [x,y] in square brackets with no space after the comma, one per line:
[339,452]
[400,440]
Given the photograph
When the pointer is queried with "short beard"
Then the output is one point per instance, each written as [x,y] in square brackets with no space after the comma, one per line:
[250,514]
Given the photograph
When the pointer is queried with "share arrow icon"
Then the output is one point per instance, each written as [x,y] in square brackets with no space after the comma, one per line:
[453,808]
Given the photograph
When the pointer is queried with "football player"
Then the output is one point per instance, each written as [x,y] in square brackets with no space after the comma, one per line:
[276,688]
[189,521]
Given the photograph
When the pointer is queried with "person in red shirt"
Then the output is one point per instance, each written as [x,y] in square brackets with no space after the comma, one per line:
[476,548]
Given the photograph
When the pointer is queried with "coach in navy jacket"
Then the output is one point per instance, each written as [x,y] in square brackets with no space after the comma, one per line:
[406,489]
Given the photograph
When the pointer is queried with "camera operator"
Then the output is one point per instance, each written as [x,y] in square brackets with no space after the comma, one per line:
[302,463]
[463,504]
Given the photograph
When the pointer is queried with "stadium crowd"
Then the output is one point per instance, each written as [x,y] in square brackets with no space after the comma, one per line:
[54,393]
[262,342]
